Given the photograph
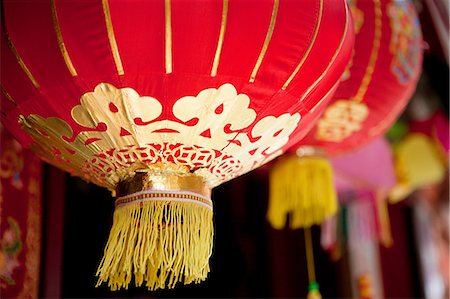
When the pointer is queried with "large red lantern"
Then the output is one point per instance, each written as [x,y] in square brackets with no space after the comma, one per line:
[375,88]
[159,101]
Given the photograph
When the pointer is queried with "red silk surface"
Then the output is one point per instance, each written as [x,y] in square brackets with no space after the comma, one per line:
[59,51]
[20,219]
[380,80]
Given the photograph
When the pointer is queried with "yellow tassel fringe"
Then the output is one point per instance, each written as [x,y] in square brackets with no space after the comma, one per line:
[160,242]
[302,187]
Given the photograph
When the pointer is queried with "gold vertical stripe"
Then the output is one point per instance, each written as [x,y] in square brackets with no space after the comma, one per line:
[168,35]
[266,41]
[223,27]
[8,96]
[359,97]
[316,31]
[332,59]
[21,63]
[62,46]
[112,38]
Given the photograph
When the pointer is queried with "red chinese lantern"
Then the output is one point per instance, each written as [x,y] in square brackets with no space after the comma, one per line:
[160,101]
[375,88]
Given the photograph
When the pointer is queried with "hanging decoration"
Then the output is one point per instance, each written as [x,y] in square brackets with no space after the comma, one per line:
[293,184]
[363,190]
[362,244]
[373,182]
[160,101]
[432,251]
[436,126]
[375,88]
[378,173]
[313,287]
[364,286]
[20,219]
[418,163]
[422,147]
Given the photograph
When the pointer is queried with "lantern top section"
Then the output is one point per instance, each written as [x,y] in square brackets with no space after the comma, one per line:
[235,78]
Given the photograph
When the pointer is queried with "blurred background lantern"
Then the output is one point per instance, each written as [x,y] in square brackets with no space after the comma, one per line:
[369,184]
[362,192]
[377,174]
[435,126]
[374,90]
[363,179]
[161,101]
[417,164]
[422,148]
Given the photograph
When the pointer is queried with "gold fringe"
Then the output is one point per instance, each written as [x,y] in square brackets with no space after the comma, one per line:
[302,187]
[160,242]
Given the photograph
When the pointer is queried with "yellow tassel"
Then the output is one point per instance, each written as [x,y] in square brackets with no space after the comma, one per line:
[302,187]
[159,242]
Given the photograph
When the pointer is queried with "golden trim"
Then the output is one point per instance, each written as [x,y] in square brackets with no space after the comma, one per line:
[163,178]
[359,97]
[112,38]
[21,63]
[266,41]
[316,31]
[8,96]
[332,59]
[168,36]
[223,26]
[62,46]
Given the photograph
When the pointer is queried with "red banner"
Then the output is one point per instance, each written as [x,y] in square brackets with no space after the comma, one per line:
[20,219]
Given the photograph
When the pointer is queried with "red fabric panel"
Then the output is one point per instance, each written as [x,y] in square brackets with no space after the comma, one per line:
[11,76]
[39,49]
[84,31]
[20,219]
[322,47]
[289,44]
[139,57]
[194,47]
[244,35]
